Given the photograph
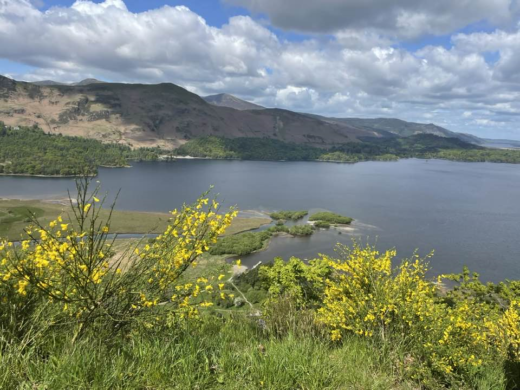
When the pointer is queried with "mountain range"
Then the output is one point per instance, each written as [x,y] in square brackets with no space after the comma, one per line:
[167,115]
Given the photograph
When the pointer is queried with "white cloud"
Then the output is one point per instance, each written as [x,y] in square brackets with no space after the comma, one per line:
[403,18]
[353,73]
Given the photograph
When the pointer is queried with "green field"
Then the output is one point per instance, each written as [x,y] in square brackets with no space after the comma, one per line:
[15,215]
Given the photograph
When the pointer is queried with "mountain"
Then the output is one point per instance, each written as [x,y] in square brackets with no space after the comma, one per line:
[226,100]
[51,82]
[389,127]
[500,143]
[88,82]
[164,115]
[167,115]
[47,82]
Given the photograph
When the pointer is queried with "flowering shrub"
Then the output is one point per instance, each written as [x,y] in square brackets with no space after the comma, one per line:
[366,296]
[73,265]
[448,335]
[301,282]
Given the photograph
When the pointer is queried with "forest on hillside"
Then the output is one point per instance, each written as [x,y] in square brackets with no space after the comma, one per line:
[382,149]
[31,151]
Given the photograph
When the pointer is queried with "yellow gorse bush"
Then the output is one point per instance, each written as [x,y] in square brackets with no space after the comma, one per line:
[366,296]
[74,266]
[362,293]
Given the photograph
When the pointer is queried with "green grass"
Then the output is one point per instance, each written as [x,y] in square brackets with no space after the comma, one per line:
[15,216]
[228,353]
[331,218]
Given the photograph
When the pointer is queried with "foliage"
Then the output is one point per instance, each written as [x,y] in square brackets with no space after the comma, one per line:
[72,267]
[278,229]
[246,243]
[331,218]
[31,151]
[449,338]
[240,244]
[288,215]
[247,149]
[301,230]
[322,224]
[371,148]
[301,282]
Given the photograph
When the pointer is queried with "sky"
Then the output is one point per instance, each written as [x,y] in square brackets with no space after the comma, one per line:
[452,63]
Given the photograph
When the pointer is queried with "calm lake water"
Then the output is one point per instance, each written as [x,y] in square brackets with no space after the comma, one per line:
[469,213]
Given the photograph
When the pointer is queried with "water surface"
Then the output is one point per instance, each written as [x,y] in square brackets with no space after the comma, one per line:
[468,212]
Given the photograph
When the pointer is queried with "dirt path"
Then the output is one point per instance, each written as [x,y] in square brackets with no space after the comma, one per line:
[237,270]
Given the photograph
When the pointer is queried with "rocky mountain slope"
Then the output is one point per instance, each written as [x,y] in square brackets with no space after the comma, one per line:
[388,127]
[167,115]
[163,115]
[226,100]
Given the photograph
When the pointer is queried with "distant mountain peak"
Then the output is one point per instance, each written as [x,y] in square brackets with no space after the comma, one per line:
[227,100]
[80,83]
[89,81]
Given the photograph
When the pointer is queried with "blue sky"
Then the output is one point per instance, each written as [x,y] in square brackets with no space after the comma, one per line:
[456,64]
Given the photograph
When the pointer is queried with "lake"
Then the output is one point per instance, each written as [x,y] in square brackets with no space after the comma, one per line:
[469,213]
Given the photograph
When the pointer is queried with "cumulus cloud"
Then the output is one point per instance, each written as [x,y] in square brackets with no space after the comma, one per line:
[403,18]
[351,73]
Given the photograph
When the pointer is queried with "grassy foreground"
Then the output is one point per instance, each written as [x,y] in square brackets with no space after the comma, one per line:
[16,214]
[218,353]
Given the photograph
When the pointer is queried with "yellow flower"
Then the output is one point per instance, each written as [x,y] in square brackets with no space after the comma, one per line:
[64,226]
[87,207]
[96,199]
[239,262]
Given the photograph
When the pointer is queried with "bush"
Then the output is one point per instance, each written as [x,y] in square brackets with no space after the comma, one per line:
[331,218]
[301,230]
[288,215]
[240,244]
[278,229]
[322,224]
[67,269]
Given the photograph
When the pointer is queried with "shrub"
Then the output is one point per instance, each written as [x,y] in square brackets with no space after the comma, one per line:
[301,230]
[322,224]
[303,283]
[365,296]
[288,215]
[69,266]
[240,244]
[278,229]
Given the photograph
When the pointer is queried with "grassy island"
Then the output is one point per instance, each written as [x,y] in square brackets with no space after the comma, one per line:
[288,215]
[322,224]
[330,218]
[301,230]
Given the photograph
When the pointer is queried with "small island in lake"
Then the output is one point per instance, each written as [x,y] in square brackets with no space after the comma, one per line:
[324,218]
